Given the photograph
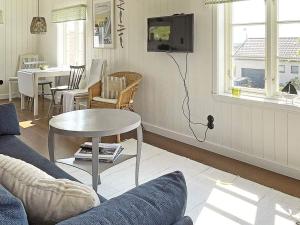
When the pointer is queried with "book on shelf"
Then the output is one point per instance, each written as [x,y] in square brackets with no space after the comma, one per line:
[107,152]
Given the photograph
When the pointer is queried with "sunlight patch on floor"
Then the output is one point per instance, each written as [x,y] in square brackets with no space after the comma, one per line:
[26,124]
[241,192]
[279,220]
[209,216]
[233,205]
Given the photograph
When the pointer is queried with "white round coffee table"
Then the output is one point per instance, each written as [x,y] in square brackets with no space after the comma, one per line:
[96,123]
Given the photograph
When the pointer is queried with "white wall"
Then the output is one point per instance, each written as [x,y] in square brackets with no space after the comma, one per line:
[258,134]
[15,37]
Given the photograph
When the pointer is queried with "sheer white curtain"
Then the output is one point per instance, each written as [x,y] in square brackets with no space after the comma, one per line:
[71,43]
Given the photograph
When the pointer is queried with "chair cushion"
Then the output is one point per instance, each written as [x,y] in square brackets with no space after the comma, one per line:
[9,124]
[105,100]
[112,87]
[12,211]
[45,198]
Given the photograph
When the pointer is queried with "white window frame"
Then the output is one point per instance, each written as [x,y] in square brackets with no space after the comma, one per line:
[223,14]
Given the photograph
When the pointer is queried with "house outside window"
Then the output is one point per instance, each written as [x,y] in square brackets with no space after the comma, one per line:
[281,69]
[295,69]
[259,46]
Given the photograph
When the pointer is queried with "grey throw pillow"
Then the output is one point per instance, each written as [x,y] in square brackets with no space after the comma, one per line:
[9,124]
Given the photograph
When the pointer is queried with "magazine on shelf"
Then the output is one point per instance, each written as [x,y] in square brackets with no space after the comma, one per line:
[107,152]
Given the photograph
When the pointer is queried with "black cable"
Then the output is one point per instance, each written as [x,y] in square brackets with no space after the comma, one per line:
[186,100]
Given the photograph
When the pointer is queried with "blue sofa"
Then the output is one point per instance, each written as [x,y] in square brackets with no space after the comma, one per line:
[158,202]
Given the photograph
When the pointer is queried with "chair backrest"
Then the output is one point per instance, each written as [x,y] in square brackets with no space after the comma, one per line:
[28,58]
[132,83]
[76,74]
[131,77]
[98,70]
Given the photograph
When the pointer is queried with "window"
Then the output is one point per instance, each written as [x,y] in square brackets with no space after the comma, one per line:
[246,44]
[259,46]
[288,25]
[71,43]
[295,69]
[281,69]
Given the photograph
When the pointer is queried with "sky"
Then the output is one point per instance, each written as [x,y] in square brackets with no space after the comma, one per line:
[253,11]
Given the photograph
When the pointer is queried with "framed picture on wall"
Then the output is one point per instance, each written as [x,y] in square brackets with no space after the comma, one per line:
[104,23]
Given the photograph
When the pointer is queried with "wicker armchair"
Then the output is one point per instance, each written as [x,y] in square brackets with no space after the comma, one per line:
[126,97]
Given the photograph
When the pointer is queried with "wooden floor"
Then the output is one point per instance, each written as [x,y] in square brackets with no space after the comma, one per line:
[35,131]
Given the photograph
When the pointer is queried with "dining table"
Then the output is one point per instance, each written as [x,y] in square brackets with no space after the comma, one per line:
[28,80]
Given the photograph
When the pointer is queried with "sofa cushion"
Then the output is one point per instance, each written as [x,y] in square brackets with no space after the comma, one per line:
[45,198]
[12,211]
[161,201]
[12,146]
[9,124]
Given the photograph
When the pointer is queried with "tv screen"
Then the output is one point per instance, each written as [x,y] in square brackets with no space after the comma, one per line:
[160,33]
[171,33]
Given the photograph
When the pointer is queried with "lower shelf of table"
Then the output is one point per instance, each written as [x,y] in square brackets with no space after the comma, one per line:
[86,165]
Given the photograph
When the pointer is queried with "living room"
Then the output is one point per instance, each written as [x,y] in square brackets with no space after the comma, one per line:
[208,88]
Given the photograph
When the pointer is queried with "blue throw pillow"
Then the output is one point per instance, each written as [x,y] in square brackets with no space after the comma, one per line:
[12,211]
[9,124]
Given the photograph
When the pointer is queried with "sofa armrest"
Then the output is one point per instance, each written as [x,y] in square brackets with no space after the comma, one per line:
[184,221]
[160,202]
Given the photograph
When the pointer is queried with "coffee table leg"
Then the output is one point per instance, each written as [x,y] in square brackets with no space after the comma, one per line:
[51,144]
[138,156]
[95,162]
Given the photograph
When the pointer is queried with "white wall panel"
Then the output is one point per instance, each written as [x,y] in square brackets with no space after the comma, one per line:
[247,130]
[293,140]
[281,137]
[269,134]
[257,132]
[237,125]
[15,37]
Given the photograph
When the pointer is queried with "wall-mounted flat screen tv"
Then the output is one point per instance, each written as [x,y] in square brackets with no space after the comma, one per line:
[171,33]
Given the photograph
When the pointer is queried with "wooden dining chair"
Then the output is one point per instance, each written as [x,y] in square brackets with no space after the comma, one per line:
[76,74]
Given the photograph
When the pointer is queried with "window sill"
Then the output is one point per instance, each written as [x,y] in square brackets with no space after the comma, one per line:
[260,101]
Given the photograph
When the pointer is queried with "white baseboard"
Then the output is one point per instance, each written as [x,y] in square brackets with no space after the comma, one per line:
[225,151]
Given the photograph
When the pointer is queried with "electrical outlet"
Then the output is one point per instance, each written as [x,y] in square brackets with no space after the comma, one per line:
[211,121]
